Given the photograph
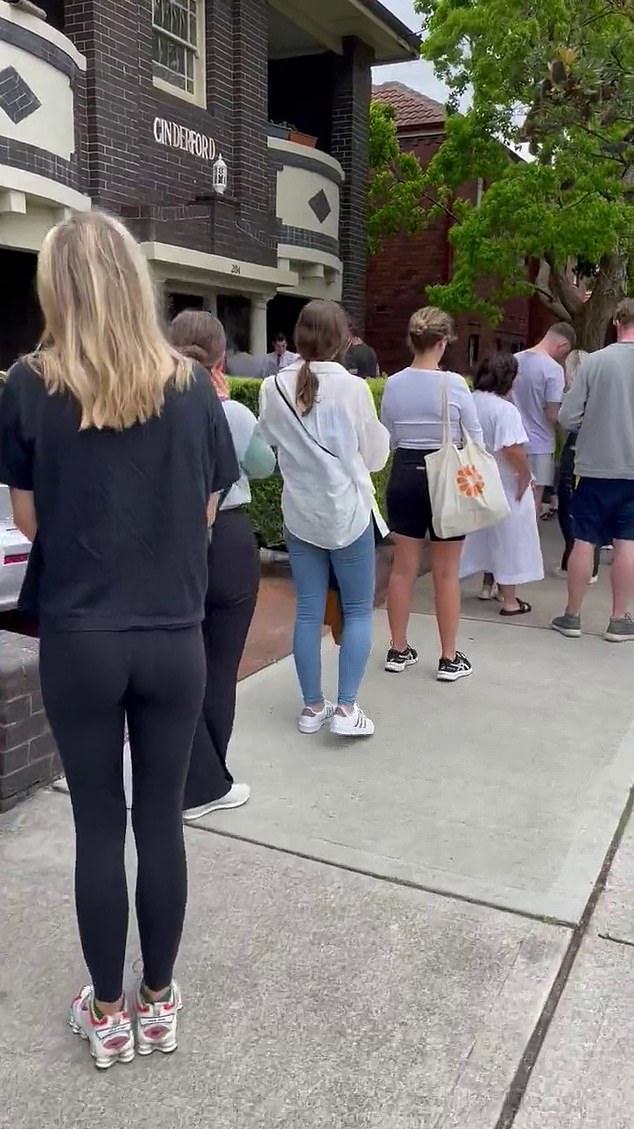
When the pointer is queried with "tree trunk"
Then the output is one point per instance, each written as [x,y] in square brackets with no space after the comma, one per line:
[591,319]
[592,325]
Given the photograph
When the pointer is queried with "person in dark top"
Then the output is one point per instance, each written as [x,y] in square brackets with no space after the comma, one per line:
[360,359]
[115,449]
[567,483]
[234,578]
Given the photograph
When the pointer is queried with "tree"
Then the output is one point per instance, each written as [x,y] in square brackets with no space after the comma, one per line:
[556,76]
[396,181]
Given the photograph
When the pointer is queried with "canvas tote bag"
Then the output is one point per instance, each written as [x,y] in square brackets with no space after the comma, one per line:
[464,484]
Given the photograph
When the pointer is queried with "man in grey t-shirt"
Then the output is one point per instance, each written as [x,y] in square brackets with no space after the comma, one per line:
[600,406]
[537,393]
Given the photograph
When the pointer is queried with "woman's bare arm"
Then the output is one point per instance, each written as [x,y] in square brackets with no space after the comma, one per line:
[24,516]
[212,508]
[515,456]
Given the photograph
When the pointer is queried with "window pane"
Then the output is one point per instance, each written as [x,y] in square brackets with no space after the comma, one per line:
[175,42]
[178,17]
[173,62]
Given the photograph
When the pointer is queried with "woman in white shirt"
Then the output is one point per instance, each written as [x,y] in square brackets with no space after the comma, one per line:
[323,422]
[412,410]
[509,551]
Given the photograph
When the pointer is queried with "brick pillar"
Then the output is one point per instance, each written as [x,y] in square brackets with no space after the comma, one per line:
[251,175]
[28,757]
[350,145]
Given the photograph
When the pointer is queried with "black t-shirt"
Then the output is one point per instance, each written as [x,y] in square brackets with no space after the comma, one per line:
[361,360]
[122,515]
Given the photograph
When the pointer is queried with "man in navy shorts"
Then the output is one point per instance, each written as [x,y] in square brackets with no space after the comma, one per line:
[600,405]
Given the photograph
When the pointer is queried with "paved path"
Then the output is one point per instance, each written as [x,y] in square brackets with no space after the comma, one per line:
[409,933]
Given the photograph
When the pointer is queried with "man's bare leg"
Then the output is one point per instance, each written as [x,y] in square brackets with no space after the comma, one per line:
[622,578]
[580,568]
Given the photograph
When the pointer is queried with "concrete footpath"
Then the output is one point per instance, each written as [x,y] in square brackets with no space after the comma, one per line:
[430,930]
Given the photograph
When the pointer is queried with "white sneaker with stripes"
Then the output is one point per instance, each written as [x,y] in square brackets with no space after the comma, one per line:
[354,724]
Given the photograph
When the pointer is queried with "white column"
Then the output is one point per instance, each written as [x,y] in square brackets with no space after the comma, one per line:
[259,335]
[210,304]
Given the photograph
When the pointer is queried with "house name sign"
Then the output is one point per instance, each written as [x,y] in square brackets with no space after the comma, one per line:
[187,140]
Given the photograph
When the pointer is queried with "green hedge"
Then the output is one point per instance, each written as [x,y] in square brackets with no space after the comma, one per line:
[266,510]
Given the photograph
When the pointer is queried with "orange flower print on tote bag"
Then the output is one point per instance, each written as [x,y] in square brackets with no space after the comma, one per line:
[464,484]
[470,482]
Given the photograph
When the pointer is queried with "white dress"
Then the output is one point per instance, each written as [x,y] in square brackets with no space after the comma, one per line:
[510,550]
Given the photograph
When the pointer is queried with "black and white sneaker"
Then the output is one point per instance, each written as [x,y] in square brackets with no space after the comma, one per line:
[398,661]
[450,670]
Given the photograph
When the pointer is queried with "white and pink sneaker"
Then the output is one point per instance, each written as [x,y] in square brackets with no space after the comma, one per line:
[111,1038]
[156,1023]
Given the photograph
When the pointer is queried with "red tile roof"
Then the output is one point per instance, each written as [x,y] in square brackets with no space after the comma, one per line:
[413,109]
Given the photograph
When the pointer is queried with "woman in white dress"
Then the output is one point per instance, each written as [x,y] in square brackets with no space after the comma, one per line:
[511,550]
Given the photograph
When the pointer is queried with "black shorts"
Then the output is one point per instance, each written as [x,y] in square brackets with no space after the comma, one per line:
[408,502]
[603,510]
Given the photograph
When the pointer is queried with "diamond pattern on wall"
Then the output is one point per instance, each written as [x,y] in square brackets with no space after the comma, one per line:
[16,97]
[320,206]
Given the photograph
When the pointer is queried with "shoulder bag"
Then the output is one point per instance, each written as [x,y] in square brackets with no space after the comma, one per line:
[465,487]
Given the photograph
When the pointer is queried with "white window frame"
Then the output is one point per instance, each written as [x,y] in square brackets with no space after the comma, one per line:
[199,95]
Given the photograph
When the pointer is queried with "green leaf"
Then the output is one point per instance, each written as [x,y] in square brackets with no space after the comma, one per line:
[557,75]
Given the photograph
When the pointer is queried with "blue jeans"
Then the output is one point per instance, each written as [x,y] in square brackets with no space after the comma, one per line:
[354,570]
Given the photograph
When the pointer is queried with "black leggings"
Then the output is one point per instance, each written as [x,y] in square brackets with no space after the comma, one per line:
[234,576]
[92,680]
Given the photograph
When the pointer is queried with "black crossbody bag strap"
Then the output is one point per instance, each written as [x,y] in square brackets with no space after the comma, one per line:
[300,421]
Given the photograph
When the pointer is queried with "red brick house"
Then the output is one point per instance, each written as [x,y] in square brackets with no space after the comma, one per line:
[399,274]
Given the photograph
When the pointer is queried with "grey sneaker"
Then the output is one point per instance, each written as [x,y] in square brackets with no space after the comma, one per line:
[620,630]
[568,625]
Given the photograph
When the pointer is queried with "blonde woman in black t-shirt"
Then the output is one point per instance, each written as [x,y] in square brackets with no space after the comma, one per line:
[115,449]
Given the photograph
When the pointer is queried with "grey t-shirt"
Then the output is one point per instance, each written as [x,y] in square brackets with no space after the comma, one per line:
[413,406]
[540,380]
[600,406]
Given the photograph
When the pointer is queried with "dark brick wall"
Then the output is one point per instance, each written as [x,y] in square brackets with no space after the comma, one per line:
[399,275]
[28,757]
[351,105]
[155,186]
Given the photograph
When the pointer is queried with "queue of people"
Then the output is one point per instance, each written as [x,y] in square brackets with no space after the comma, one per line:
[129,468]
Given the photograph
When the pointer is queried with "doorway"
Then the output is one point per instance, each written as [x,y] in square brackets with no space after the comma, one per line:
[234,311]
[282,315]
[20,316]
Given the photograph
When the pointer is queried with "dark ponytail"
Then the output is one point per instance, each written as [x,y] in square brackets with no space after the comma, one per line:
[307,388]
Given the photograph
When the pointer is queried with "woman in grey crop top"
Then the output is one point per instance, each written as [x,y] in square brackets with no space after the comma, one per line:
[412,410]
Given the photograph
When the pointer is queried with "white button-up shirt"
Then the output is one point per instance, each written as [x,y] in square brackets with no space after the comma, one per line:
[328,496]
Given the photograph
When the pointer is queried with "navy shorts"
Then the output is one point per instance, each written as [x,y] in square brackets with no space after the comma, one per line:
[603,510]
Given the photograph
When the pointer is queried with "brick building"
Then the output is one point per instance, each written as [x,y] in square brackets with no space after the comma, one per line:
[399,274]
[145,107]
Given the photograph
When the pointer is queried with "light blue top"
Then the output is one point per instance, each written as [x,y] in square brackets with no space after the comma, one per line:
[255,457]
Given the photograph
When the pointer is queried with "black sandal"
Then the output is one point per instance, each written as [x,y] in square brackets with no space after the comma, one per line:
[523,608]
